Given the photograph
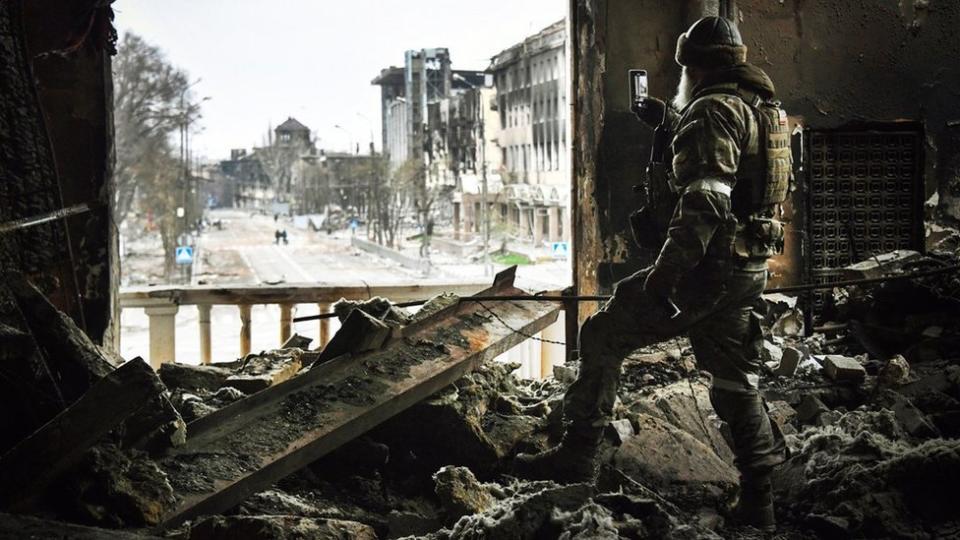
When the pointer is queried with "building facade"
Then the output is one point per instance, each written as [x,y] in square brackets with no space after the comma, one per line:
[532,104]
[415,112]
[269,174]
[505,127]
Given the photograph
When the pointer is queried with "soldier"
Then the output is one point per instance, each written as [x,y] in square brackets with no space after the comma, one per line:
[731,169]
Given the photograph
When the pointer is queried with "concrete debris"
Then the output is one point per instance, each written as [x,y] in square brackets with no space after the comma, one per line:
[686,406]
[526,510]
[277,528]
[783,414]
[379,308]
[772,353]
[460,493]
[872,430]
[790,324]
[619,431]
[896,372]
[297,341]
[790,360]
[29,468]
[809,409]
[117,488]
[843,368]
[465,427]
[359,333]
[673,461]
[261,371]
[192,378]
[565,373]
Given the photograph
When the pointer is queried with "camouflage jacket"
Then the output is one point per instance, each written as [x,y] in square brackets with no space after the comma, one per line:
[716,139]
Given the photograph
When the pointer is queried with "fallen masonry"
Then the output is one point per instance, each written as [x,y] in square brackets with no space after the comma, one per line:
[252,443]
[411,432]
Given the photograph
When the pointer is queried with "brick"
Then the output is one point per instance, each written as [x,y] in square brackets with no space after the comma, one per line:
[843,368]
[809,409]
[789,362]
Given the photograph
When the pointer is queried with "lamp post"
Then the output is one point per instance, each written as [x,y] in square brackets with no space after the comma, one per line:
[484,208]
[182,213]
[349,136]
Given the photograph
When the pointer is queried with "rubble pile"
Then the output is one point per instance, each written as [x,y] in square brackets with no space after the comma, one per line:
[868,399]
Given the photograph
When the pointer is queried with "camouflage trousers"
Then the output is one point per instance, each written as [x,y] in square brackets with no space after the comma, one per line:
[716,303]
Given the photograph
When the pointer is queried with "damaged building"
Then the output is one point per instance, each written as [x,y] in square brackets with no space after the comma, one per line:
[400,424]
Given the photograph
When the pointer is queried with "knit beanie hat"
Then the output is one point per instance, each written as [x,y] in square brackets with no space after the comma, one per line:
[712,42]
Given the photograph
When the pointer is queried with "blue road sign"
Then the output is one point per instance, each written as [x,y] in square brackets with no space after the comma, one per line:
[184,255]
[561,250]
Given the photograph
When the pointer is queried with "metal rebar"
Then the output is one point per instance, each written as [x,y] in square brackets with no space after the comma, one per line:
[604,298]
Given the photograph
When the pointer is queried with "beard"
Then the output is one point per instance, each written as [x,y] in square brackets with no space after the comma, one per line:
[684,91]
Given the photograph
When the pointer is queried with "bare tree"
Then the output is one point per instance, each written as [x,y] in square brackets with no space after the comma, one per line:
[147,111]
[151,103]
[278,159]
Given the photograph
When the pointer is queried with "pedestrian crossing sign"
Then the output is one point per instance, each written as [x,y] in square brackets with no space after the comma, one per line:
[184,255]
[561,250]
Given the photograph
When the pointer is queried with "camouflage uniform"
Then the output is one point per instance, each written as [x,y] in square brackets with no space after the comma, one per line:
[716,140]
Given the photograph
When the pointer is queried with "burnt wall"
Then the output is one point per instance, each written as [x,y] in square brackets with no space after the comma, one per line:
[834,63]
[69,48]
[611,147]
[838,63]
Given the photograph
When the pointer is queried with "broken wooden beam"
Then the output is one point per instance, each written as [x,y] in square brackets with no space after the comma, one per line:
[30,466]
[251,444]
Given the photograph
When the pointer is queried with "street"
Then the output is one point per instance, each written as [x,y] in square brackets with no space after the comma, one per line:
[244,252]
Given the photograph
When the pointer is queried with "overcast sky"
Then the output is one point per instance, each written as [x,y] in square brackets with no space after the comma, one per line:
[261,61]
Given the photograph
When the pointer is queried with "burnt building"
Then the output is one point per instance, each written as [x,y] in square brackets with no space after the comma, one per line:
[246,175]
[415,111]
[531,83]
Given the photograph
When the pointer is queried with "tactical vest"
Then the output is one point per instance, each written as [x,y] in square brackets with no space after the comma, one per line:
[764,179]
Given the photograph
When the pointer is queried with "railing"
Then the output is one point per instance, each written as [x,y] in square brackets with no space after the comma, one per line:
[162,304]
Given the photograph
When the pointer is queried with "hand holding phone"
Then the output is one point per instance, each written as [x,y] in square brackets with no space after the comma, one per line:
[650,110]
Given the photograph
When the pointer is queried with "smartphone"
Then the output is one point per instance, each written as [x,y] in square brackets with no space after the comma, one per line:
[639,89]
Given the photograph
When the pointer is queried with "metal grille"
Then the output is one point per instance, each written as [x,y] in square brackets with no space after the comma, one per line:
[864,198]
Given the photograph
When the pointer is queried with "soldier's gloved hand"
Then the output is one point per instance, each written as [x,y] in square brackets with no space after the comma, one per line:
[660,283]
[651,111]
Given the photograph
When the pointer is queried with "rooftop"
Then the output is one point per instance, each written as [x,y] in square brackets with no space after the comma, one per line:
[550,37]
[292,124]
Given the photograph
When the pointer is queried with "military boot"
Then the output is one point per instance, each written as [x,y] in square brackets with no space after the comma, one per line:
[572,461]
[755,505]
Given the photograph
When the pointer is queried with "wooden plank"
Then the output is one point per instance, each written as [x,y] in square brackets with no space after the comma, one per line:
[256,441]
[30,466]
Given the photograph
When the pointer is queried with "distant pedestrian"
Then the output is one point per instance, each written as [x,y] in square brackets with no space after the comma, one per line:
[425,239]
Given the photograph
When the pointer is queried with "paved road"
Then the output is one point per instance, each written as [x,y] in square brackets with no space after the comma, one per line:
[309,257]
